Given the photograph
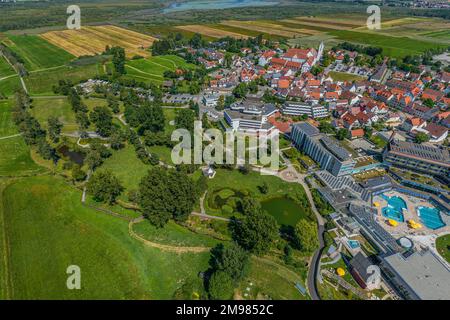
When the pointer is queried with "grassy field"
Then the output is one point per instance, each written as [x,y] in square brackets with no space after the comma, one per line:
[41,83]
[443,246]
[59,107]
[5,68]
[173,234]
[93,40]
[9,85]
[38,53]
[242,185]
[341,76]
[15,159]
[127,167]
[152,69]
[61,232]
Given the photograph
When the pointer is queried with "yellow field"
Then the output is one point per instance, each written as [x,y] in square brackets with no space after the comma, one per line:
[93,40]
[211,32]
[270,28]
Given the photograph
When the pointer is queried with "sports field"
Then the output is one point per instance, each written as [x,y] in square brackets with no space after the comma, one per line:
[37,53]
[93,40]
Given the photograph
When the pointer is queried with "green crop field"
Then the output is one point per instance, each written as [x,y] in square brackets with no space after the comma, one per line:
[392,46]
[61,232]
[38,53]
[9,85]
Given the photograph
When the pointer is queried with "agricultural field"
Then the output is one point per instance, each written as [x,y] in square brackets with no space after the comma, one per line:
[212,32]
[61,232]
[93,40]
[37,53]
[398,36]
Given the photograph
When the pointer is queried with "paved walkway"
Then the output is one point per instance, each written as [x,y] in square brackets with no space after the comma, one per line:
[10,137]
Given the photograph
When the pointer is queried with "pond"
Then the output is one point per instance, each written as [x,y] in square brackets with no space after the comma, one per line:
[216,4]
[285,210]
[75,157]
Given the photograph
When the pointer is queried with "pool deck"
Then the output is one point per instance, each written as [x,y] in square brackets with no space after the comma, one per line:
[411,213]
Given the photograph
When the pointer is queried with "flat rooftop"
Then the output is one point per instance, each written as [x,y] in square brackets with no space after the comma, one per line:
[421,152]
[428,277]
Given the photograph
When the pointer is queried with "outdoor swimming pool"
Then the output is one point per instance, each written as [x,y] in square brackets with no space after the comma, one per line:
[430,217]
[354,244]
[394,209]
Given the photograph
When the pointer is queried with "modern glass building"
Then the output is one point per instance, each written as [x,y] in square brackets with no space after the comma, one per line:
[323,149]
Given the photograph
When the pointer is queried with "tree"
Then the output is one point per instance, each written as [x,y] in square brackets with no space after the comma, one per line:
[421,137]
[104,186]
[54,128]
[306,236]
[166,193]
[256,232]
[93,159]
[264,188]
[117,140]
[249,205]
[185,119]
[220,103]
[102,118]
[220,286]
[77,173]
[241,90]
[119,59]
[231,259]
[342,134]
[83,121]
[326,127]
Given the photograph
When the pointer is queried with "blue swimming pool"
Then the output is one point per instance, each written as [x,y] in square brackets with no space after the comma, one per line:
[430,217]
[394,209]
[354,244]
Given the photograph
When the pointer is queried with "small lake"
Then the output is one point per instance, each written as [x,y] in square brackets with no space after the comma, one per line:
[75,157]
[216,4]
[285,210]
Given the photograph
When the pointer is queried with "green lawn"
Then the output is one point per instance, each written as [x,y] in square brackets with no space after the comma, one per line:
[61,232]
[37,52]
[341,76]
[127,167]
[443,246]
